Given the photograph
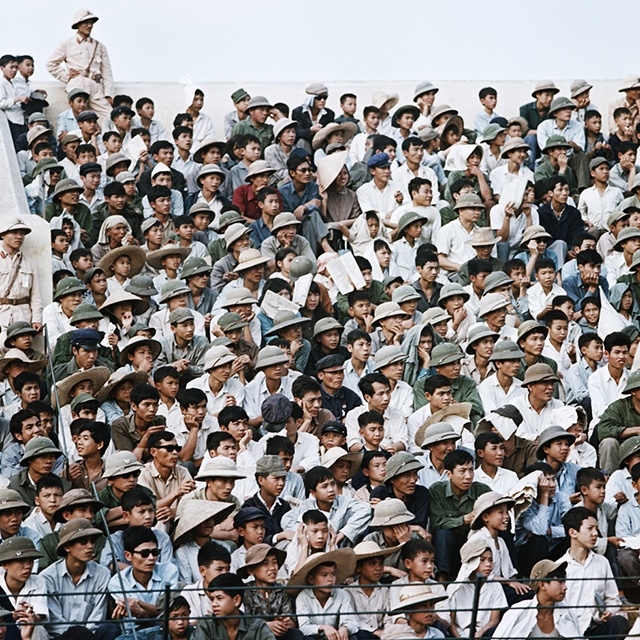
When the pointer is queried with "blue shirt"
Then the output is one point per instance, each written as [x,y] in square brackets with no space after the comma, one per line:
[566,478]
[538,519]
[577,290]
[259,232]
[164,543]
[66,122]
[292,200]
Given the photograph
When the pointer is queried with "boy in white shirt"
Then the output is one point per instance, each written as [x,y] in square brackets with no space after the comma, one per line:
[542,293]
[596,203]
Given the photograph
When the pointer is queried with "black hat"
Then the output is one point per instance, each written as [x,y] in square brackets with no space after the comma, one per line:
[247,514]
[87,115]
[120,109]
[89,167]
[334,426]
[86,338]
[328,362]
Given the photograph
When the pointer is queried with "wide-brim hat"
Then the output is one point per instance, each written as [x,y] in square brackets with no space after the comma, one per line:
[284,320]
[231,322]
[545,85]
[491,132]
[453,121]
[250,258]
[17,354]
[74,498]
[512,144]
[627,448]
[121,463]
[417,593]
[549,435]
[332,455]
[625,234]
[210,169]
[555,142]
[388,355]
[97,375]
[259,167]
[270,356]
[424,87]
[135,254]
[141,286]
[219,467]
[487,501]
[329,167]
[258,101]
[534,232]
[83,15]
[116,378]
[455,414]
[136,342]
[401,462]
[539,372]
[482,237]
[257,555]
[384,100]
[635,261]
[435,315]
[11,499]
[46,164]
[281,125]
[446,353]
[496,279]
[529,326]
[138,305]
[407,108]
[344,559]
[113,160]
[18,548]
[370,549]
[238,296]
[154,259]
[405,293]
[391,512]
[630,82]
[66,185]
[633,382]
[217,356]
[489,303]
[579,86]
[559,103]
[67,286]
[19,328]
[440,109]
[506,350]
[35,132]
[284,219]
[436,432]
[387,310]
[451,290]
[195,512]
[38,446]
[469,201]
[349,129]
[480,331]
[206,144]
[73,530]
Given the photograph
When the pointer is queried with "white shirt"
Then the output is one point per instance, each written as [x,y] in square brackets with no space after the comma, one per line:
[503,482]
[616,266]
[404,257]
[172,415]
[33,593]
[160,322]
[604,390]
[517,224]
[489,162]
[494,396]
[429,475]
[202,128]
[595,592]
[560,357]
[500,176]
[39,523]
[619,482]
[56,321]
[256,392]
[595,207]
[538,299]
[306,449]
[535,423]
[452,241]
[572,132]
[395,427]
[402,398]
[216,403]
[461,601]
[372,198]
[402,176]
[156,130]
[502,565]
[8,93]
[357,147]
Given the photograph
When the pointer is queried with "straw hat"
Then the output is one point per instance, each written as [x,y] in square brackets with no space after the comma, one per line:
[136,342]
[138,305]
[219,467]
[154,259]
[349,129]
[116,378]
[135,254]
[329,167]
[332,455]
[97,375]
[15,354]
[417,593]
[344,559]
[195,512]
[258,553]
[257,168]
[250,258]
[485,502]
[370,549]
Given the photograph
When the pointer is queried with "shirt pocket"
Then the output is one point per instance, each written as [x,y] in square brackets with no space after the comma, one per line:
[25,276]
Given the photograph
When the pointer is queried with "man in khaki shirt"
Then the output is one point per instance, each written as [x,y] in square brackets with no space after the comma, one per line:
[83,62]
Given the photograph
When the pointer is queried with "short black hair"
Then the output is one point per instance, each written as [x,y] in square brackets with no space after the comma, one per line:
[483,439]
[229,583]
[587,338]
[458,185]
[159,436]
[315,476]
[50,481]
[166,371]
[574,518]
[100,433]
[487,91]
[366,382]
[554,181]
[554,314]
[512,265]
[589,256]
[587,475]
[314,516]
[137,535]
[358,334]
[545,263]
[303,385]
[211,552]
[425,255]
[415,546]
[371,455]
[190,398]
[136,497]
[159,145]
[15,423]
[345,96]
[616,339]
[114,189]
[279,444]
[215,439]
[144,392]
[157,191]
[231,414]
[456,458]
[25,378]
[476,266]
[363,263]
[437,381]
[370,417]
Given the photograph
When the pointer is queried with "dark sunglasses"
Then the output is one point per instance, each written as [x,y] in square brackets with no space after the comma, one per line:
[322,97]
[131,474]
[145,553]
[85,540]
[170,448]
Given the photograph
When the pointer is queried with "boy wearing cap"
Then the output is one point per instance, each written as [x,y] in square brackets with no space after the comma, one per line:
[501,387]
[591,587]
[18,282]
[76,584]
[240,99]
[598,201]
[66,201]
[541,615]
[515,152]
[380,194]
[257,109]
[248,148]
[236,238]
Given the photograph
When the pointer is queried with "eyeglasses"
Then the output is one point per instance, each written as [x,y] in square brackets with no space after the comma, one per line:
[304,169]
[145,553]
[170,448]
[132,474]
[322,96]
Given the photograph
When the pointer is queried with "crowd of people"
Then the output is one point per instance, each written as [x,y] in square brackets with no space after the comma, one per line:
[358,375]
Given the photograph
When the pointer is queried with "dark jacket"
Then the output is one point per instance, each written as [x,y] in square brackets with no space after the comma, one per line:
[304,122]
[566,228]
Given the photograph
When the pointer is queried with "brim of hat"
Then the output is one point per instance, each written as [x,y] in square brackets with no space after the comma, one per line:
[28,554]
[286,324]
[537,236]
[506,355]
[581,90]
[22,332]
[39,365]
[24,461]
[354,458]
[316,333]
[417,600]
[174,294]
[66,190]
[344,559]
[500,283]
[484,312]
[74,289]
[395,314]
[154,259]
[399,358]
[87,19]
[280,555]
[378,554]
[236,325]
[559,436]
[410,466]
[453,294]
[244,266]
[475,243]
[419,437]
[476,523]
[198,271]
[184,530]
[483,335]
[222,473]
[98,375]
[557,145]
[268,170]
[57,514]
[136,377]
[136,255]
[226,359]
[618,245]
[155,346]
[553,90]
[391,522]
[284,224]
[270,362]
[152,291]
[15,505]
[410,221]
[127,468]
[536,379]
[92,532]
[504,152]
[198,156]
[349,129]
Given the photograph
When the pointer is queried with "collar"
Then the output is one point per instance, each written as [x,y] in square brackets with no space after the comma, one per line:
[80,39]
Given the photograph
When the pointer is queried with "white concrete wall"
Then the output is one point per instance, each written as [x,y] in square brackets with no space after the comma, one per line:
[169,97]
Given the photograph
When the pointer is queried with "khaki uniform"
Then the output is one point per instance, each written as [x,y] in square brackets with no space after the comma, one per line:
[23,300]
[90,58]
